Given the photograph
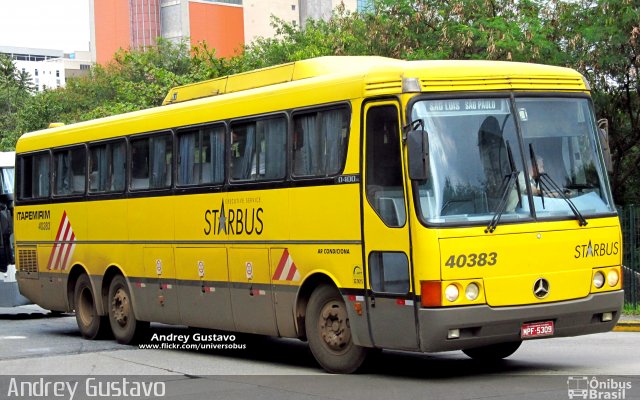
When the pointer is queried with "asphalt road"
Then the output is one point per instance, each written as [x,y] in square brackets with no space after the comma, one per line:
[35,344]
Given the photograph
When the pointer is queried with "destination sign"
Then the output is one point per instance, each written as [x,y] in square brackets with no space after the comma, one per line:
[467,106]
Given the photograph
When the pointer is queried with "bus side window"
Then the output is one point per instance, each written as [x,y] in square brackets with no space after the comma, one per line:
[151,159]
[389,272]
[188,151]
[69,171]
[107,167]
[258,150]
[140,164]
[201,155]
[35,176]
[319,142]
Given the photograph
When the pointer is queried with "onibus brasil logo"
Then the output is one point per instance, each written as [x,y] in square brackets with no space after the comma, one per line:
[583,387]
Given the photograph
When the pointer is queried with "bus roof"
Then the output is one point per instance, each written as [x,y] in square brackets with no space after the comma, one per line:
[438,74]
[314,81]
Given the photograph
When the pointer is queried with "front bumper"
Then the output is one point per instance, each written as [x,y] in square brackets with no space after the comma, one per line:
[484,325]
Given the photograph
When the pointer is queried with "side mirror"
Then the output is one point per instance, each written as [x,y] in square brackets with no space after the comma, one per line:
[418,154]
[603,135]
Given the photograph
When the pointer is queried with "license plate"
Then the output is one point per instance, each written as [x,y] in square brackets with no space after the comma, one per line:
[536,329]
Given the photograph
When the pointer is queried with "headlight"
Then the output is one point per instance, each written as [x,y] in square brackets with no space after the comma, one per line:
[451,293]
[613,277]
[472,291]
[598,279]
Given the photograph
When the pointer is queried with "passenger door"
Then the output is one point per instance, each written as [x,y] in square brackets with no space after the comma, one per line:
[390,294]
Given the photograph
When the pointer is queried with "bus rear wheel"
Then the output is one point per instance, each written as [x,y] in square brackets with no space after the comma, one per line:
[124,325]
[91,325]
[493,352]
[329,334]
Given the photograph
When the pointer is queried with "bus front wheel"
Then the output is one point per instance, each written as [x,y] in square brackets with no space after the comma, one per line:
[92,326]
[493,352]
[124,325]
[329,334]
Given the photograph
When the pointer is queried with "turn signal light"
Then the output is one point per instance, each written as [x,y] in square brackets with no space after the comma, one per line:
[613,277]
[431,293]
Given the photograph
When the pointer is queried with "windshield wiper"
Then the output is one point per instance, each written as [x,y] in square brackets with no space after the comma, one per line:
[545,182]
[509,180]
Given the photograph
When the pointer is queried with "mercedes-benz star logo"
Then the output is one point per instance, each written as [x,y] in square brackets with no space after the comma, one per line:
[541,288]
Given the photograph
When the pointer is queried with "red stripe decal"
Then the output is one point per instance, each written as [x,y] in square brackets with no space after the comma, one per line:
[68,252]
[53,250]
[63,246]
[281,264]
[292,271]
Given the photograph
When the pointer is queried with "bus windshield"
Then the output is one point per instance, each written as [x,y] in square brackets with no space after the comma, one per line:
[476,146]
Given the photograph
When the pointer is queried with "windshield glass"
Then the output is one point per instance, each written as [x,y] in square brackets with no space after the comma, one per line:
[7,180]
[474,150]
[560,142]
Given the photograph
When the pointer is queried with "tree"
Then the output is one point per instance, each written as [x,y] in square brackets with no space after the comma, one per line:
[15,91]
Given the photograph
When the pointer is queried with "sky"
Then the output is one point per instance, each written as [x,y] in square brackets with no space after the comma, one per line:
[45,24]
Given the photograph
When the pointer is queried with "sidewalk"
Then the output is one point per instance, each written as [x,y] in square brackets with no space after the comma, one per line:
[628,323]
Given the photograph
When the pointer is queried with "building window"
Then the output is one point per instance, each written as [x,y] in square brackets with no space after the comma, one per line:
[293,7]
[58,74]
[365,5]
[36,72]
[238,2]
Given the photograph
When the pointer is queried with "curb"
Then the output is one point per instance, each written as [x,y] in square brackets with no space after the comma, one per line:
[627,326]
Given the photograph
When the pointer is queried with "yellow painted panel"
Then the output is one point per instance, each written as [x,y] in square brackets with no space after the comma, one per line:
[107,220]
[325,213]
[513,290]
[249,265]
[158,262]
[510,263]
[151,218]
[261,77]
[198,90]
[201,263]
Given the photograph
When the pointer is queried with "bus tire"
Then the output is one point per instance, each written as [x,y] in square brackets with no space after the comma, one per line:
[493,352]
[329,334]
[124,325]
[92,326]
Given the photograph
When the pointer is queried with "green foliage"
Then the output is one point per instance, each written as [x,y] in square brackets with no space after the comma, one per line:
[608,54]
[600,38]
[15,91]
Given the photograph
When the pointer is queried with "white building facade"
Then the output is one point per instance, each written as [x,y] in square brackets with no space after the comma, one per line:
[258,13]
[48,69]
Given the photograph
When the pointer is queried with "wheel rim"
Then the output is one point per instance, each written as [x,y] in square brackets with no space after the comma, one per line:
[85,308]
[120,307]
[334,327]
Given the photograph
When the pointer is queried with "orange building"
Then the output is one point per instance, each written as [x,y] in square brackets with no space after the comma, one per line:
[134,24]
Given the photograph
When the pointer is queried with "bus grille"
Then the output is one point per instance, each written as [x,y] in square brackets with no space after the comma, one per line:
[28,260]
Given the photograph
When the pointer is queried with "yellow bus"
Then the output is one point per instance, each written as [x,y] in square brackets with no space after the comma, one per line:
[353,202]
